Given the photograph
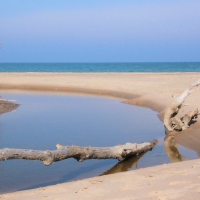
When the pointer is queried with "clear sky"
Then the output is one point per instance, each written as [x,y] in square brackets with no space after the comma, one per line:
[99,30]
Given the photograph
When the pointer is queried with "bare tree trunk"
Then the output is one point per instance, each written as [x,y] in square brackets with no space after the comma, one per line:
[171,121]
[119,152]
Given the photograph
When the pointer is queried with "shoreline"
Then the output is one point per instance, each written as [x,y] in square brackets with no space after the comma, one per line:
[151,90]
[168,181]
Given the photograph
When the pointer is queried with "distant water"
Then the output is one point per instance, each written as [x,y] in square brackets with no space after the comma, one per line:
[101,67]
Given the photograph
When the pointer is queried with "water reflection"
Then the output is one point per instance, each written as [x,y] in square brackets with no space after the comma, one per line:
[124,165]
[176,150]
[171,149]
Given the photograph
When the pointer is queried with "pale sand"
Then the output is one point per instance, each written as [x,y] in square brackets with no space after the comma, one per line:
[155,90]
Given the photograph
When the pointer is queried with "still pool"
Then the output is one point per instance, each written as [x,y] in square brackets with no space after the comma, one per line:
[44,120]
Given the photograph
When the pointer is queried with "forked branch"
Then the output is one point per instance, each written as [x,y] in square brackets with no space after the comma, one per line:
[171,121]
[193,87]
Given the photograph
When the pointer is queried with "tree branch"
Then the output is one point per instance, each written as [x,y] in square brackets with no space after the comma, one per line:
[171,121]
[119,152]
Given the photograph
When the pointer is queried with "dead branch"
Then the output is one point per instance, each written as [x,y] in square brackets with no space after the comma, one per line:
[171,121]
[119,152]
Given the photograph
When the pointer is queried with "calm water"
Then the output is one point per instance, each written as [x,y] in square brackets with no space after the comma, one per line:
[101,67]
[43,120]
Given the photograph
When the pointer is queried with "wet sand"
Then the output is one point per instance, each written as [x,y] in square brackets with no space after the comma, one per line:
[7,106]
[151,90]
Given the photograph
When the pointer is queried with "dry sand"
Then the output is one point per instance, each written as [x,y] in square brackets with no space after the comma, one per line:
[153,90]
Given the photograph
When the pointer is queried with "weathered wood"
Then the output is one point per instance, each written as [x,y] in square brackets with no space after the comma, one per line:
[171,121]
[119,152]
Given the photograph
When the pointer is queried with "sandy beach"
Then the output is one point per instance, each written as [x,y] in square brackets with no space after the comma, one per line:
[151,90]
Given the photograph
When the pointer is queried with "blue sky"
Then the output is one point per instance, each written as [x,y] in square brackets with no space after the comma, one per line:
[99,31]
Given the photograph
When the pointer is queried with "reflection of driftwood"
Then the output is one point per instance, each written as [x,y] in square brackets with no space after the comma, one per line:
[7,106]
[171,121]
[171,149]
[119,152]
[124,165]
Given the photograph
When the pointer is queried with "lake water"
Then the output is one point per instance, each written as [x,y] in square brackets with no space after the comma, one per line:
[43,120]
[102,67]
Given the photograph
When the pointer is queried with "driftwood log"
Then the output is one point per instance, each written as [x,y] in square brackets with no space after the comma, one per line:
[171,120]
[119,152]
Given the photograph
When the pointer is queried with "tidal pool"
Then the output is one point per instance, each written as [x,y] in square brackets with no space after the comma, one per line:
[44,120]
